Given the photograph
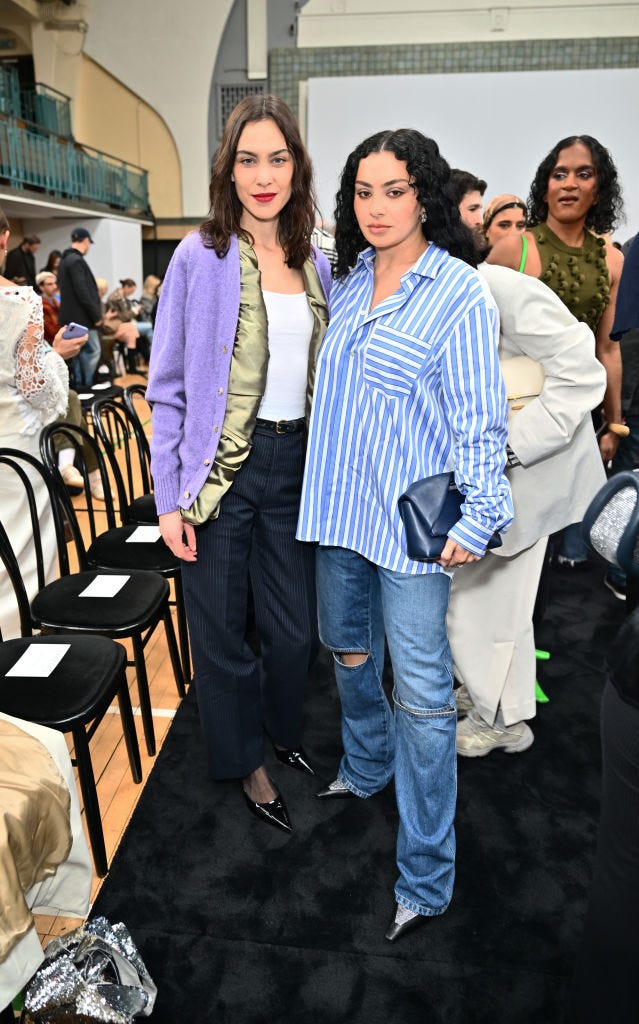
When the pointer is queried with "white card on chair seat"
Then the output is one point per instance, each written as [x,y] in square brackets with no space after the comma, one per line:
[144,535]
[104,586]
[39,660]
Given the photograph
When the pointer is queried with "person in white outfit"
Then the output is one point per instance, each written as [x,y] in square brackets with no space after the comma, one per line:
[34,389]
[554,471]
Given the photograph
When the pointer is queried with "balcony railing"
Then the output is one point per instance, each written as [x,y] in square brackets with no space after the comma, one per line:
[33,157]
[47,107]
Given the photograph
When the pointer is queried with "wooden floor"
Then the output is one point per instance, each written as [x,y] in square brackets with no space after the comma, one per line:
[117,793]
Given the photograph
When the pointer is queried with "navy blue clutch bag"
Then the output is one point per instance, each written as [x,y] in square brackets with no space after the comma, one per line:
[429,509]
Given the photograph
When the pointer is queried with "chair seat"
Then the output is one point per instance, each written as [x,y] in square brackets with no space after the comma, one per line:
[114,391]
[111,550]
[138,603]
[80,685]
[142,510]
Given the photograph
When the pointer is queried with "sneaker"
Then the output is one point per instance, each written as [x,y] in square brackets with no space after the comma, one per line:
[572,564]
[463,701]
[618,589]
[475,738]
[72,479]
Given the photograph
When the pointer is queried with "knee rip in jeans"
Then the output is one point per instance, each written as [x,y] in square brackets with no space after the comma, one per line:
[351,659]
[424,712]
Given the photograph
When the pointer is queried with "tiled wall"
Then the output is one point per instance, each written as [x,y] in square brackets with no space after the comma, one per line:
[288,67]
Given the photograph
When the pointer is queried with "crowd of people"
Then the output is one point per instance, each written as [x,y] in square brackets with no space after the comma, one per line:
[296,398]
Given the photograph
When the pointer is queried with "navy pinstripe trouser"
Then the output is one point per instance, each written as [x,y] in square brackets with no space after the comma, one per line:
[253,537]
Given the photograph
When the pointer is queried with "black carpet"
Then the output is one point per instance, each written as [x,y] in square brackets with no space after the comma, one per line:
[239,923]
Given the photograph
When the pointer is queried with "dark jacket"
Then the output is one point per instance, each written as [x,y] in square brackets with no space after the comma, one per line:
[21,264]
[79,299]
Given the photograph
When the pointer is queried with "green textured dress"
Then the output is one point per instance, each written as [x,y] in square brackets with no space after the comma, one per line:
[578,275]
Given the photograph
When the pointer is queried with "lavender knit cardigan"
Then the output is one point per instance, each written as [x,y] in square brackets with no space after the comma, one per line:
[190,363]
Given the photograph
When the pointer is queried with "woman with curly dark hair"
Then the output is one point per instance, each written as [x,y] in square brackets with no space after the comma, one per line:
[241,316]
[575,198]
[407,386]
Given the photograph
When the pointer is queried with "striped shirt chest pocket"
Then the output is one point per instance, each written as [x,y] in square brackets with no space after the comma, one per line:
[393,360]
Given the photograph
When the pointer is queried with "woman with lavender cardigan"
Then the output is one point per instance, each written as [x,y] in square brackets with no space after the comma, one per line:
[242,313]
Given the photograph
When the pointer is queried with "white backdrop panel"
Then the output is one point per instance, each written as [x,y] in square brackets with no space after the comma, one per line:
[499,126]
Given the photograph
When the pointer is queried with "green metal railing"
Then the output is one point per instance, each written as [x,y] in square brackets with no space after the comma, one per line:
[37,150]
[47,107]
[33,157]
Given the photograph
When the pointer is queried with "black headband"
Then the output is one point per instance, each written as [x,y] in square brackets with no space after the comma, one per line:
[506,206]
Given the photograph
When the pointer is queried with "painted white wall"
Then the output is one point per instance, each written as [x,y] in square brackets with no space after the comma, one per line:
[498,126]
[116,251]
[166,54]
[371,22]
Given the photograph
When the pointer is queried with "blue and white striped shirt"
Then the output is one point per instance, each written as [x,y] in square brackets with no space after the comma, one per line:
[407,390]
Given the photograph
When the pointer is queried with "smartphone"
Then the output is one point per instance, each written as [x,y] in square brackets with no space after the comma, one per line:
[75,331]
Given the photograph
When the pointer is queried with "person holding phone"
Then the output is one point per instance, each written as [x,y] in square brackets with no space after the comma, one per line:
[241,316]
[408,386]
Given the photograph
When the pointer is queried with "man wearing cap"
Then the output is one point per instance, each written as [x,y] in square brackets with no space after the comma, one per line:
[80,303]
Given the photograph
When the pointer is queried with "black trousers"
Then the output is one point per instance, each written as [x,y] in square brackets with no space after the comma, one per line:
[605,985]
[253,538]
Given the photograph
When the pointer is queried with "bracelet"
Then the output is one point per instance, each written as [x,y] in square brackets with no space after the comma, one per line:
[620,429]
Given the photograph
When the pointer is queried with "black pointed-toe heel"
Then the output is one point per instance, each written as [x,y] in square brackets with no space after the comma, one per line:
[273,812]
[294,759]
[397,931]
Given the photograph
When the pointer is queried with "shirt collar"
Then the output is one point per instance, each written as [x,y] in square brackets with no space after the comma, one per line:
[427,265]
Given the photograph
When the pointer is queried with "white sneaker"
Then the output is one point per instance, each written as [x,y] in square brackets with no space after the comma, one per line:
[71,477]
[475,738]
[463,701]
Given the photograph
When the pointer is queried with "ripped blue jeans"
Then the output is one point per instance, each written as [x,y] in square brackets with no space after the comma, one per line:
[358,603]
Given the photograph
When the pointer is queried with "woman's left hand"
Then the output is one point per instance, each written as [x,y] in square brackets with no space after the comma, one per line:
[454,555]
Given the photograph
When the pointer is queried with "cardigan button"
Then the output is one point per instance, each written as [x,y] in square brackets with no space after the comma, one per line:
[225,348]
[220,391]
[207,462]
[215,429]
[187,494]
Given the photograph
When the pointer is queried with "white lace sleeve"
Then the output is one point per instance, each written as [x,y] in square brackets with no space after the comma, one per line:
[38,379]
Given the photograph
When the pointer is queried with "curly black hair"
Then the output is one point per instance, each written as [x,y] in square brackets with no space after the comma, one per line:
[431,176]
[604,215]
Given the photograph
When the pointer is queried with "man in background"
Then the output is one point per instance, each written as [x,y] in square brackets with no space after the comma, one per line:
[466,193]
[20,264]
[80,303]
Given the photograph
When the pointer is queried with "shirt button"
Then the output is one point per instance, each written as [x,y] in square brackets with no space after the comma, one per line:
[207,462]
[187,494]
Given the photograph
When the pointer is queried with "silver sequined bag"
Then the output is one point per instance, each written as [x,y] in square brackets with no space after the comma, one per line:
[92,975]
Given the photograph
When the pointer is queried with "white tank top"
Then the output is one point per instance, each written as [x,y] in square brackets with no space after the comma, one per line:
[290,328]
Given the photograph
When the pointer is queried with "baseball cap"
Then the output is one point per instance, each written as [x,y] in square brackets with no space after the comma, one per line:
[79,234]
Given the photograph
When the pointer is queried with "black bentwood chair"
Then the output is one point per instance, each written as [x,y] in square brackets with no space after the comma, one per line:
[120,431]
[77,693]
[127,450]
[134,612]
[113,546]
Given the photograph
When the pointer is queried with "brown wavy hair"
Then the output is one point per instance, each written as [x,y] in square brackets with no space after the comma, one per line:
[297,219]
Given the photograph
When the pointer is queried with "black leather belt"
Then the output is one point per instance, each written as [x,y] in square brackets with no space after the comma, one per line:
[283,426]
